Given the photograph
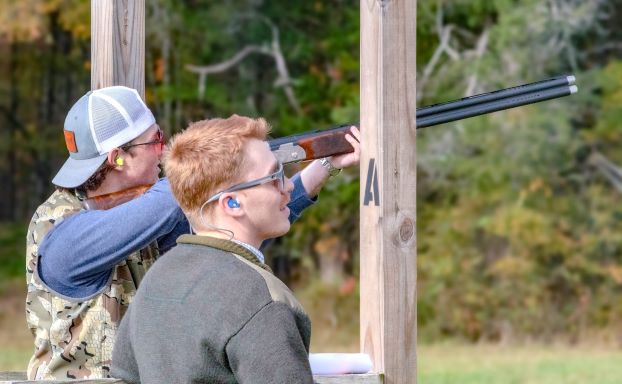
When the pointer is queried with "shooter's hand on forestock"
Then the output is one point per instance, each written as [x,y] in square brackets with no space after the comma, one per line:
[352,158]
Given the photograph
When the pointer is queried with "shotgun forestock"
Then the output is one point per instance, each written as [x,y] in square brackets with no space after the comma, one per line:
[311,145]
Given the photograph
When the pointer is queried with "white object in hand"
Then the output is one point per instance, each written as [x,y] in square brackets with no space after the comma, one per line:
[339,363]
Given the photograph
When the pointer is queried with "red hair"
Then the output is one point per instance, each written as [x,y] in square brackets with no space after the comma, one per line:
[208,156]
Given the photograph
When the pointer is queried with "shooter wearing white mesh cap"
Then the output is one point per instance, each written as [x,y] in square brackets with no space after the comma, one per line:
[86,249]
[100,121]
[92,241]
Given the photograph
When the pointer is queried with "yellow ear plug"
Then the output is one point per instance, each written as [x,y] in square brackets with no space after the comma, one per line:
[119,161]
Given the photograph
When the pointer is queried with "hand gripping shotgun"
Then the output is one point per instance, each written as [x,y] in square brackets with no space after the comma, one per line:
[330,142]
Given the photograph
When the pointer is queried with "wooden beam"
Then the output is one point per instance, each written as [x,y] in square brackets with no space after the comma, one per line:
[20,378]
[388,187]
[118,44]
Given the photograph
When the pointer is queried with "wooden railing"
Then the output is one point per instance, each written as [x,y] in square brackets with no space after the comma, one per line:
[20,377]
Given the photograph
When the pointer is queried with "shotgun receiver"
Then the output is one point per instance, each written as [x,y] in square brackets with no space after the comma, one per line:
[331,142]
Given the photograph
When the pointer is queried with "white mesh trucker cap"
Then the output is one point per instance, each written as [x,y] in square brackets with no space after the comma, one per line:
[98,122]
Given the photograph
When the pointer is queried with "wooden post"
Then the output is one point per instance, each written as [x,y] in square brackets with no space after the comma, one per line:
[20,378]
[388,187]
[118,44]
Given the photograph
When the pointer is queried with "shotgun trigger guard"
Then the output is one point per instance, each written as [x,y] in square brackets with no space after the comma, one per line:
[289,153]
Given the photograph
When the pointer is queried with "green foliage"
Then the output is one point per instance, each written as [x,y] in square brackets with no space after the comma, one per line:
[12,250]
[607,130]
[334,315]
[31,20]
[519,236]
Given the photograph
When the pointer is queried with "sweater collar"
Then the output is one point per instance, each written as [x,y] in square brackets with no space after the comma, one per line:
[239,248]
[258,254]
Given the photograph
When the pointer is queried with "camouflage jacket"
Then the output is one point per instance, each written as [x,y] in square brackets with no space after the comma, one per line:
[74,338]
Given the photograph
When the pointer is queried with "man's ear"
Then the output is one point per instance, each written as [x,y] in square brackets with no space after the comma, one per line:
[229,204]
[115,158]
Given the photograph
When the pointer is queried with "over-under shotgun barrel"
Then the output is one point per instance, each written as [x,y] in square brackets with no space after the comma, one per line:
[495,95]
[496,105]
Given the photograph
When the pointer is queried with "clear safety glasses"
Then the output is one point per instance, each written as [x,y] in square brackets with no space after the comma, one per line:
[278,177]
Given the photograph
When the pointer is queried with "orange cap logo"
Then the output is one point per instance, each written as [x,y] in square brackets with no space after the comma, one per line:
[70,141]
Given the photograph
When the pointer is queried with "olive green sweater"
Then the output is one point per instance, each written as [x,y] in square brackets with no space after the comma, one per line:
[209,312]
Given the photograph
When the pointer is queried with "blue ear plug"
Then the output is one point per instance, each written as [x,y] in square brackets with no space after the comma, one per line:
[233,203]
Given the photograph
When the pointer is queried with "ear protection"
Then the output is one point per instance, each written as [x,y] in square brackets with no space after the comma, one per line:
[119,160]
[233,203]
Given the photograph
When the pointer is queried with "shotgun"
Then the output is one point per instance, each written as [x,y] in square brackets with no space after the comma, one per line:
[331,142]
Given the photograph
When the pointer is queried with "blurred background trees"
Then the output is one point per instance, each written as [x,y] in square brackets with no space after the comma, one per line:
[519,214]
[519,223]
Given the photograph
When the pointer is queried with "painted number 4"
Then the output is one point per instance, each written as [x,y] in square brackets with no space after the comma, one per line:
[371,185]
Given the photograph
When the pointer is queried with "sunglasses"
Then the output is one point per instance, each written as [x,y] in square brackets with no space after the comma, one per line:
[278,177]
[159,141]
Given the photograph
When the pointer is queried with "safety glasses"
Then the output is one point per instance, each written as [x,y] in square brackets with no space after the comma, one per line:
[278,177]
[159,141]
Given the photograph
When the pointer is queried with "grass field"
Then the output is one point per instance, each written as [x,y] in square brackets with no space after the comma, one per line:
[444,364]
[466,364]
[15,339]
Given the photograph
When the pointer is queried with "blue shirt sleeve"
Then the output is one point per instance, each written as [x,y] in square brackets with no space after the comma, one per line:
[300,200]
[78,254]
[168,241]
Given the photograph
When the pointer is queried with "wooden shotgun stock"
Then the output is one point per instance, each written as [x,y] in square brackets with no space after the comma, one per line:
[109,200]
[311,145]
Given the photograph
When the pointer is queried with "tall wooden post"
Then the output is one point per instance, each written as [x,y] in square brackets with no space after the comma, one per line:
[388,187]
[118,44]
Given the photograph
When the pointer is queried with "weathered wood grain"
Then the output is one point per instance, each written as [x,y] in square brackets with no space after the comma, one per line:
[118,44]
[388,187]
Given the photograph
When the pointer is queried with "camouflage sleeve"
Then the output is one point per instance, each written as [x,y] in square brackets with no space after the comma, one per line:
[270,349]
